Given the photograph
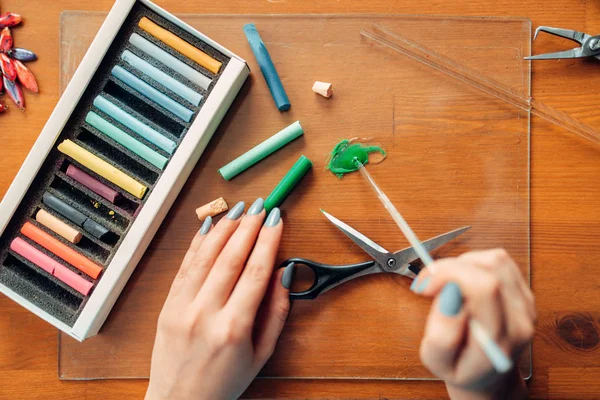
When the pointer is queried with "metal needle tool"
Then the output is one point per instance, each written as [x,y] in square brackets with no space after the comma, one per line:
[499,360]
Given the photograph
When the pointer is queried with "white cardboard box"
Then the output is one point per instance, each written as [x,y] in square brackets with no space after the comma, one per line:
[145,225]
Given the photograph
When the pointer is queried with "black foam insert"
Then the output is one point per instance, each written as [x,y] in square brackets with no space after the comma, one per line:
[33,283]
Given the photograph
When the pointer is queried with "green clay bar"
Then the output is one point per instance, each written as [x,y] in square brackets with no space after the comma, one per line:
[345,153]
[289,181]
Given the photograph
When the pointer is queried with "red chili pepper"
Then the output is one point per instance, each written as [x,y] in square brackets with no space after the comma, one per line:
[26,77]
[2,108]
[9,19]
[6,40]
[8,67]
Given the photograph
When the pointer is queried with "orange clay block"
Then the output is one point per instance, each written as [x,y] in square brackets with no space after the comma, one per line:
[180,45]
[58,226]
[79,261]
[211,209]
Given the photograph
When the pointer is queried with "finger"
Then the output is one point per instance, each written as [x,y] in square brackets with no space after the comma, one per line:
[445,332]
[480,288]
[189,255]
[518,296]
[228,266]
[252,285]
[272,316]
[202,261]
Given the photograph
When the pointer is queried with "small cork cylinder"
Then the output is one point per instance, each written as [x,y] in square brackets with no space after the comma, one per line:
[211,209]
[325,89]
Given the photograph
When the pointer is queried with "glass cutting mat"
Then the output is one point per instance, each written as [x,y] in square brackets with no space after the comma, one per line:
[456,157]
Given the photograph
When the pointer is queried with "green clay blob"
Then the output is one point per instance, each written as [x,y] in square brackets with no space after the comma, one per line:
[345,153]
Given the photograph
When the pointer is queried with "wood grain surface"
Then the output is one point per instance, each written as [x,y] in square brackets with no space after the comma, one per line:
[565,219]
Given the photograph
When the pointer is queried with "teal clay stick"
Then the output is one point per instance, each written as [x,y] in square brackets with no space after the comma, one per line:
[261,151]
[125,140]
[267,67]
[289,181]
[117,113]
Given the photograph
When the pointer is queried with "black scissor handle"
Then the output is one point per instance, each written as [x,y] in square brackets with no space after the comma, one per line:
[325,275]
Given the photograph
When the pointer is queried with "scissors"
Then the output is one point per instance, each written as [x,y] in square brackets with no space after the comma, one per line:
[401,262]
[590,45]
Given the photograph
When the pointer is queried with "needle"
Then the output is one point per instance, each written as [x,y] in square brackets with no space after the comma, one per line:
[500,361]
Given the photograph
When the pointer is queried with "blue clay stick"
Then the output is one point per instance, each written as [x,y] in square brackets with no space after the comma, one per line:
[151,93]
[266,66]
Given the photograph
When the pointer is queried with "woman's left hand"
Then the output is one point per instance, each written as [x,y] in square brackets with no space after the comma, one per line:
[225,310]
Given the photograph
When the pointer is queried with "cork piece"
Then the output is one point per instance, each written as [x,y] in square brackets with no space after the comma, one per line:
[325,89]
[211,209]
[58,226]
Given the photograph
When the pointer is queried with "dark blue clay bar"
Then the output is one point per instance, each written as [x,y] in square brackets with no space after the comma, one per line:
[267,67]
[78,218]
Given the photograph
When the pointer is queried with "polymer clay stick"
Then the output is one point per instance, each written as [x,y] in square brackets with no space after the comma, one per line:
[180,45]
[211,209]
[261,151]
[154,95]
[58,226]
[50,265]
[61,250]
[78,218]
[169,61]
[126,140]
[162,78]
[102,168]
[323,88]
[267,67]
[92,183]
[289,181]
[118,114]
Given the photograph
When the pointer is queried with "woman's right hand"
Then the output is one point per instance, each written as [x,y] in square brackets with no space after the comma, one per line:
[487,286]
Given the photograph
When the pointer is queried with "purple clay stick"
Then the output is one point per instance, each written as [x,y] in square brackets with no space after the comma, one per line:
[92,183]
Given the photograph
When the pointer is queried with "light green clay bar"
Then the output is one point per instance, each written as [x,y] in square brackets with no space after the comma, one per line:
[261,151]
[344,156]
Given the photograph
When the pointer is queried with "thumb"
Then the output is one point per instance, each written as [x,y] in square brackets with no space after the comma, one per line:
[445,332]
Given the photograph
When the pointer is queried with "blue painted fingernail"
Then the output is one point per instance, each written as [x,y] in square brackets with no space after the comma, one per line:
[236,211]
[206,225]
[423,285]
[256,207]
[273,218]
[451,299]
[288,275]
[413,285]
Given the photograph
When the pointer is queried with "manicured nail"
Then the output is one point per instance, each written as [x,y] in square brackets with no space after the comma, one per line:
[450,299]
[288,275]
[256,207]
[273,218]
[206,225]
[236,211]
[421,285]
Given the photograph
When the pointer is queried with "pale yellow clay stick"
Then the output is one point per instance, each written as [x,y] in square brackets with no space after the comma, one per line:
[58,226]
[180,45]
[211,209]
[102,168]
[325,89]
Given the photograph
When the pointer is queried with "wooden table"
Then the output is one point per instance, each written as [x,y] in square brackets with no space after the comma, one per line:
[565,219]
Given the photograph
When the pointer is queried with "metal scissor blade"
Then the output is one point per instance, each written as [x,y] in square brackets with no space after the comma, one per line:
[378,253]
[408,255]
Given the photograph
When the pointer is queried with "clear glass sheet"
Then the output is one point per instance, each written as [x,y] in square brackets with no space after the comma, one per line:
[456,157]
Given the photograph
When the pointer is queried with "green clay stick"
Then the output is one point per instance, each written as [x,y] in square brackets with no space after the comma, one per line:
[289,181]
[261,151]
[125,140]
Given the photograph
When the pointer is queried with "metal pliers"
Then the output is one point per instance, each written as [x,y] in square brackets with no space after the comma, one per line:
[590,45]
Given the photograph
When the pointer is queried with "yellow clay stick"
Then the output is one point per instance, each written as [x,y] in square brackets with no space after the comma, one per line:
[180,45]
[102,168]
